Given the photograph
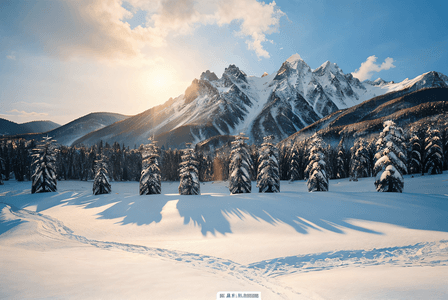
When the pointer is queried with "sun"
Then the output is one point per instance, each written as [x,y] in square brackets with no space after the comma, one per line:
[159,83]
[158,79]
[161,80]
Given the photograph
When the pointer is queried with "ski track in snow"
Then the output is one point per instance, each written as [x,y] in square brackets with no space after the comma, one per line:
[264,272]
[54,229]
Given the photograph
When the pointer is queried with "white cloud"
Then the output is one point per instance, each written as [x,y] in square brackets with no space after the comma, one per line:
[98,28]
[257,20]
[369,67]
[20,116]
[12,57]
[33,104]
[22,113]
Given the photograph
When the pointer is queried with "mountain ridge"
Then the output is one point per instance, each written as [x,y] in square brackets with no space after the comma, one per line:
[280,104]
[12,128]
[66,134]
[366,119]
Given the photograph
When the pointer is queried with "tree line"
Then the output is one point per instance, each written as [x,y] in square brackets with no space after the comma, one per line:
[426,150]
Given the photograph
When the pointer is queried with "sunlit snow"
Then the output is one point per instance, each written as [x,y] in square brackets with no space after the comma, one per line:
[349,243]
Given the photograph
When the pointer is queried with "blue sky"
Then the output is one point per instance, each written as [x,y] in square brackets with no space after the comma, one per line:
[61,59]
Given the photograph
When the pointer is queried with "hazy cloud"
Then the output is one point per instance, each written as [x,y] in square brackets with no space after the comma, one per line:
[23,113]
[12,57]
[98,28]
[20,116]
[369,67]
[33,104]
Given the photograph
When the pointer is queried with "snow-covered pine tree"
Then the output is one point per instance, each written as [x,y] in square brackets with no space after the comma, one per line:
[268,179]
[294,163]
[150,180]
[433,152]
[240,166]
[416,150]
[44,167]
[101,183]
[316,169]
[188,172]
[390,158]
[359,160]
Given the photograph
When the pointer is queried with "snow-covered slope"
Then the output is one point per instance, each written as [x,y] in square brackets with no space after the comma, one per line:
[11,128]
[426,106]
[349,243]
[279,104]
[68,133]
[426,80]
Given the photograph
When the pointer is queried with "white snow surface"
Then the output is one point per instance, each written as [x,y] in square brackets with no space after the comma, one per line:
[349,243]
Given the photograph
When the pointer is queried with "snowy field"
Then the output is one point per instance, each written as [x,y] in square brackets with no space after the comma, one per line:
[349,243]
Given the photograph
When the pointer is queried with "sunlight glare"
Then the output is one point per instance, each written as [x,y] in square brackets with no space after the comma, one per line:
[160,83]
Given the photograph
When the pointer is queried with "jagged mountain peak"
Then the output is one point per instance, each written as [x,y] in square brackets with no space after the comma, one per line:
[378,82]
[235,72]
[381,81]
[328,67]
[210,76]
[431,78]
[294,62]
[293,65]
[294,58]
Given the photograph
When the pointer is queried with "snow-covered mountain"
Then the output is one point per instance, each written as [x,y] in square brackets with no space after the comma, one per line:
[279,104]
[11,128]
[423,107]
[68,133]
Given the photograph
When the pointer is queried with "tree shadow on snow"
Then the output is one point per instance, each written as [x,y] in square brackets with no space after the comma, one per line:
[330,211]
[129,205]
[137,209]
[211,212]
[204,211]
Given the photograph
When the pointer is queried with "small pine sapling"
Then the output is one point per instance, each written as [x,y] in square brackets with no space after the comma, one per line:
[101,183]
[268,179]
[44,167]
[240,167]
[188,172]
[150,180]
